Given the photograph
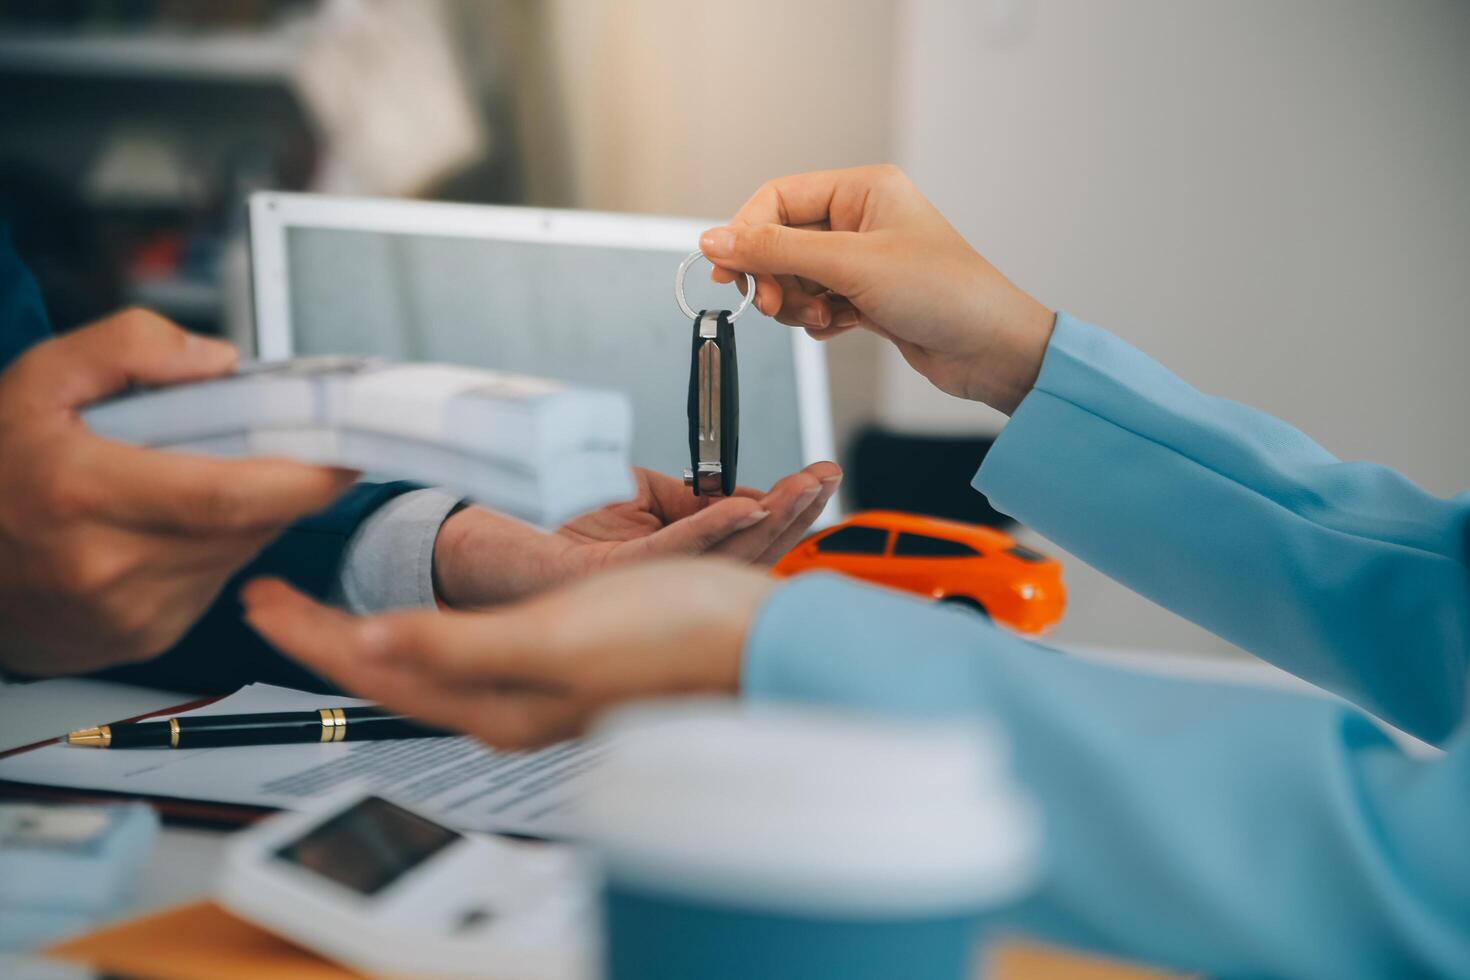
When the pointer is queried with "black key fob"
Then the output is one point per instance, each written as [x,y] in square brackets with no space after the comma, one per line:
[714,406]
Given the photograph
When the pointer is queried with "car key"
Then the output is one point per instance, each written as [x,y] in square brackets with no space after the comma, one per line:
[714,407]
[714,392]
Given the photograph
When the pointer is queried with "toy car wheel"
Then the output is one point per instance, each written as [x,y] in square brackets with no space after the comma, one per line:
[967,604]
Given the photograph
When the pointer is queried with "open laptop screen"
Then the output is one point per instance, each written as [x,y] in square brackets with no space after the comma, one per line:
[585,313]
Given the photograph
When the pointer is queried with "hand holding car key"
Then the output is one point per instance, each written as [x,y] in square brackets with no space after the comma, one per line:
[714,391]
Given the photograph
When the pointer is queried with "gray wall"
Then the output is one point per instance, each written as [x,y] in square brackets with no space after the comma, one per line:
[1270,196]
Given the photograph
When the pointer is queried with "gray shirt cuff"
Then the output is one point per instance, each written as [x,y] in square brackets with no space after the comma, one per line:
[389,561]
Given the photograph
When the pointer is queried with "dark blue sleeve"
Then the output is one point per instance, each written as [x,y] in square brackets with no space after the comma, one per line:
[220,652]
[23,319]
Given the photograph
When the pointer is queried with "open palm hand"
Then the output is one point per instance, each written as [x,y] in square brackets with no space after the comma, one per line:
[484,558]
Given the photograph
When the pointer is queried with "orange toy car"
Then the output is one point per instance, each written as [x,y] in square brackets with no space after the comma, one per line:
[975,567]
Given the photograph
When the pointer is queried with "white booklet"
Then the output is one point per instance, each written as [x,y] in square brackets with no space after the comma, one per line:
[535,448]
[457,780]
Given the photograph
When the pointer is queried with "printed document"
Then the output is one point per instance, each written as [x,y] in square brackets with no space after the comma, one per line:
[457,780]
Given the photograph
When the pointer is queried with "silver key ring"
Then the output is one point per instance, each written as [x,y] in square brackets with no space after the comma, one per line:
[689,311]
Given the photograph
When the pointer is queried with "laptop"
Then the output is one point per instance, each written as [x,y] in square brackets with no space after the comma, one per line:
[582,296]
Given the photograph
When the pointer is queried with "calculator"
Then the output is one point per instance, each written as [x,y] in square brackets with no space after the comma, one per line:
[382,888]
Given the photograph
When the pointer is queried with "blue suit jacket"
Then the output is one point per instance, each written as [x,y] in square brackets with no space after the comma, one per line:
[220,652]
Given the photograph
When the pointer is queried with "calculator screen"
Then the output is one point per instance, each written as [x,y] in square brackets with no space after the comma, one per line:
[368,846]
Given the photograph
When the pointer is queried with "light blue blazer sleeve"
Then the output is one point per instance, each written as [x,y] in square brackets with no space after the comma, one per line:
[1227,830]
[1345,574]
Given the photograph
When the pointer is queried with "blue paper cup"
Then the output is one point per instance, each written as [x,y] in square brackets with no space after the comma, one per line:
[776,842]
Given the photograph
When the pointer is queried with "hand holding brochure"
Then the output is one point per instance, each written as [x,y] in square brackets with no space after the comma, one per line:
[533,448]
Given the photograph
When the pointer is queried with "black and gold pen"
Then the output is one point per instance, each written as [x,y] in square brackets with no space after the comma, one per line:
[270,728]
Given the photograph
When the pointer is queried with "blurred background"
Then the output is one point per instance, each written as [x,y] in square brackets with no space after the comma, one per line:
[1271,197]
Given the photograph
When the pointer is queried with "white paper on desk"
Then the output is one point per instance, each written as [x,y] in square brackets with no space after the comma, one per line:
[457,780]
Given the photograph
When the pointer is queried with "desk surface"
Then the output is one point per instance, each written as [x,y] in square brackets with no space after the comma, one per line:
[182,867]
[202,940]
